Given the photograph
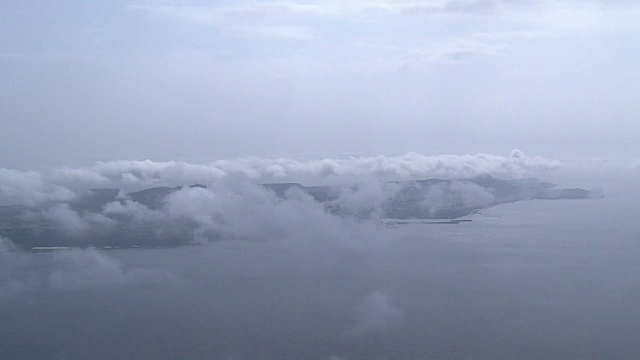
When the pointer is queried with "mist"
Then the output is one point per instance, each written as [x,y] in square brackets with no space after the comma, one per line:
[533,278]
[283,276]
[196,82]
[331,180]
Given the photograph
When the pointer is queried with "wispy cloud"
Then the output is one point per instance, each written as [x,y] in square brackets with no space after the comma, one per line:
[261,20]
[289,9]
[505,24]
[377,314]
[282,32]
[359,9]
[463,49]
[394,58]
[88,267]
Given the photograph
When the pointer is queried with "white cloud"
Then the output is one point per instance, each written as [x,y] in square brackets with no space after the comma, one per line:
[354,10]
[89,267]
[237,209]
[458,193]
[70,269]
[283,32]
[33,187]
[376,314]
[362,9]
[213,15]
[134,173]
[410,165]
[365,198]
[69,220]
[29,187]
[73,223]
[134,210]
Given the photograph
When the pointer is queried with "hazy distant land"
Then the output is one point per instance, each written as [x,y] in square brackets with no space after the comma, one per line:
[110,218]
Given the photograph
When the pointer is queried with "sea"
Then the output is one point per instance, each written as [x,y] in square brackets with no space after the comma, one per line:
[541,279]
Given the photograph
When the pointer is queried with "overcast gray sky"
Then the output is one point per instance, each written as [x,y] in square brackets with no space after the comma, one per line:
[198,81]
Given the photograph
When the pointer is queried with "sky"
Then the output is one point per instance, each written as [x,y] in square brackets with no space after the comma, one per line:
[203,81]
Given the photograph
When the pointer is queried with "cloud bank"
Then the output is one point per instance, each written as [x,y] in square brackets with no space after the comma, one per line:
[59,184]
[22,273]
[233,205]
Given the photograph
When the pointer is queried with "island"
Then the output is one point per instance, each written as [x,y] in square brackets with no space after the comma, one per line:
[113,219]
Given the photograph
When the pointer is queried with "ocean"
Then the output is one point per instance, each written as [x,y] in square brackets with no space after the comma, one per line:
[527,280]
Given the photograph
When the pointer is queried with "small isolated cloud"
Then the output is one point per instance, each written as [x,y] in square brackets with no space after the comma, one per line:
[376,314]
[89,267]
[16,272]
[6,245]
[464,49]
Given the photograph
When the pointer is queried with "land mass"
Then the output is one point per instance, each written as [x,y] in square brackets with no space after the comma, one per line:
[85,221]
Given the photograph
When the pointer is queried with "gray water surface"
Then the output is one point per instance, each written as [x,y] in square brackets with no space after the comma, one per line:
[527,280]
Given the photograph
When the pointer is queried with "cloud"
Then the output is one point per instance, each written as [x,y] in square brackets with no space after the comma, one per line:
[463,49]
[354,10]
[283,32]
[364,199]
[326,276]
[376,314]
[509,24]
[69,220]
[410,165]
[235,206]
[133,210]
[249,19]
[290,19]
[88,267]
[457,193]
[56,185]
[67,270]
[134,172]
[237,209]
[6,245]
[16,275]
[29,187]
[72,222]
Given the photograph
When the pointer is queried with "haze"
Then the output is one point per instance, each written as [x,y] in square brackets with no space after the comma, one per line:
[145,147]
[198,81]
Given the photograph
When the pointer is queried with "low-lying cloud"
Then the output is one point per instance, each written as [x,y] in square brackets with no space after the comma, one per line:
[235,208]
[462,194]
[6,244]
[87,267]
[376,314]
[297,278]
[62,183]
[22,273]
